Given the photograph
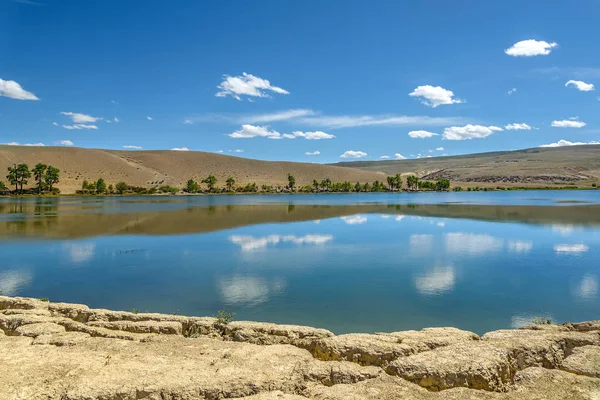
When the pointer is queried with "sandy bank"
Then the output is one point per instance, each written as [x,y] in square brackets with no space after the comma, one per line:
[69,351]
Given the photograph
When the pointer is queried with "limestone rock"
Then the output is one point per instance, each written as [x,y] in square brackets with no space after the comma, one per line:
[584,361]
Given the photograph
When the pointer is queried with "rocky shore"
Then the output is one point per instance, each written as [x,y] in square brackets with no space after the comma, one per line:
[71,352]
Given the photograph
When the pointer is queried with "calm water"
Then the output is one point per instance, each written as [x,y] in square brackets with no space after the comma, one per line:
[349,263]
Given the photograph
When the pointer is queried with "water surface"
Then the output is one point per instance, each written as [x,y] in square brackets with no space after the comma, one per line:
[349,263]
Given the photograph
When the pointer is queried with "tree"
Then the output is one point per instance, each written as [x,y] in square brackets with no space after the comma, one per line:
[85,185]
[391,181]
[326,184]
[38,174]
[13,177]
[51,177]
[291,182]
[3,187]
[110,189]
[398,181]
[23,175]
[192,186]
[315,185]
[121,187]
[100,186]
[230,182]
[413,182]
[357,187]
[210,182]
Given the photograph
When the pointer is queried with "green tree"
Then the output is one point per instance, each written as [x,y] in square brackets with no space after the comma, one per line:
[398,181]
[3,187]
[315,185]
[121,187]
[23,175]
[192,186]
[12,177]
[326,184]
[38,174]
[357,187]
[291,182]
[230,182]
[110,189]
[210,181]
[51,177]
[100,186]
[391,181]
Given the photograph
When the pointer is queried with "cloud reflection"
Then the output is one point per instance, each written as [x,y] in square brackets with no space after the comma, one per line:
[250,243]
[519,246]
[80,252]
[14,281]
[472,244]
[249,290]
[587,288]
[354,219]
[439,281]
[571,248]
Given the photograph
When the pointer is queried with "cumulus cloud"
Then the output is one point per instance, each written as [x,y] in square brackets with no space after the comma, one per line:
[469,131]
[384,157]
[563,143]
[421,134]
[580,85]
[353,154]
[79,118]
[132,147]
[511,91]
[399,156]
[517,127]
[180,149]
[65,143]
[434,96]
[13,90]
[252,131]
[529,48]
[439,149]
[247,85]
[251,243]
[354,219]
[238,151]
[568,123]
[313,153]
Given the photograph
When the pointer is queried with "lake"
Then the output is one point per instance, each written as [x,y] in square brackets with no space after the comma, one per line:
[385,262]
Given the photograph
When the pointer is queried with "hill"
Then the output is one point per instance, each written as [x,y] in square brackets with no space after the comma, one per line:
[561,165]
[149,168]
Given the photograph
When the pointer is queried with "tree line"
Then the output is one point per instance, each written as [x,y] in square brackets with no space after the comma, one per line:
[45,177]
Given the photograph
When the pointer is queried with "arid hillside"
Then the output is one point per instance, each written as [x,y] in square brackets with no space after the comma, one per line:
[150,168]
[574,164]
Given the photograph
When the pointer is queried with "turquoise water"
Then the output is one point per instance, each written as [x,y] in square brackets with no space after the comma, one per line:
[348,263]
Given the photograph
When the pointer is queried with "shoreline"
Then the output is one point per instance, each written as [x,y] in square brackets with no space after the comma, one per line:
[118,355]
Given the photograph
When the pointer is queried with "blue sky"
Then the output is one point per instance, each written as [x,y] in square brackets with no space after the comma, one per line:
[349,78]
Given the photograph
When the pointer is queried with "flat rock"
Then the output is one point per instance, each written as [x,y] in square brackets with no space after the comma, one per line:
[161,327]
[584,361]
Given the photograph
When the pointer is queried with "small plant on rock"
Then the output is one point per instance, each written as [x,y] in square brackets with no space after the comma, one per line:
[44,299]
[135,310]
[224,317]
[541,321]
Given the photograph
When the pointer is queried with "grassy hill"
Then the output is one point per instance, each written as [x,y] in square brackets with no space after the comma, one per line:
[150,168]
[562,165]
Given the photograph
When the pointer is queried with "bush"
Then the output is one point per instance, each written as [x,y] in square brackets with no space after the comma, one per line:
[224,317]
[541,321]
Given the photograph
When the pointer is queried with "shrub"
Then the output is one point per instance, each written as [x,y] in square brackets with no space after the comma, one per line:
[224,317]
[541,321]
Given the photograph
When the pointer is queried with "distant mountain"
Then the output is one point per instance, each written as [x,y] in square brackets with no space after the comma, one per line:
[150,168]
[560,165]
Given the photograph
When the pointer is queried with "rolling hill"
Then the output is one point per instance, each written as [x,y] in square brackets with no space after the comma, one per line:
[560,165]
[150,168]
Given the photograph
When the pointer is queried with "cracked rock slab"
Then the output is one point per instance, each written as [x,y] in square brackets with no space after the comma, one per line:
[584,361]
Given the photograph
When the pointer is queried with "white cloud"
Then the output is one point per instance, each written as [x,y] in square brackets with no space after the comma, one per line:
[517,127]
[349,121]
[353,154]
[65,143]
[13,90]
[252,131]
[421,134]
[278,116]
[384,157]
[116,120]
[568,123]
[13,281]
[219,151]
[251,243]
[246,85]
[439,149]
[114,102]
[531,47]
[79,118]
[132,147]
[25,144]
[149,118]
[180,149]
[354,219]
[313,153]
[188,122]
[434,96]
[439,281]
[511,91]
[238,151]
[79,126]
[580,85]
[468,132]
[519,246]
[399,156]
[571,248]
[55,123]
[563,143]
[472,244]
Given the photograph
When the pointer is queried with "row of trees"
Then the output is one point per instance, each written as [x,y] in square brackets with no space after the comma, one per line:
[44,176]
